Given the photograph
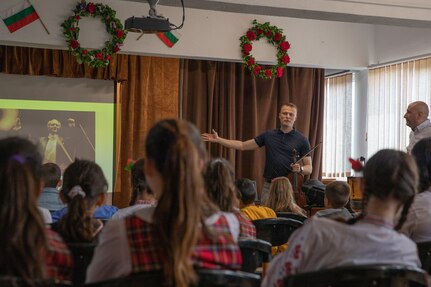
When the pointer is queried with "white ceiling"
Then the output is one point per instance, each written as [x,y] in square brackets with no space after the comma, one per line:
[407,13]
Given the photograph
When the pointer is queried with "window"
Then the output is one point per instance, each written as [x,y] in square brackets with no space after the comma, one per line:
[391,89]
[337,132]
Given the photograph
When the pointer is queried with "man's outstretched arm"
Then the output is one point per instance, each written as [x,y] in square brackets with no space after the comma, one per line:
[235,144]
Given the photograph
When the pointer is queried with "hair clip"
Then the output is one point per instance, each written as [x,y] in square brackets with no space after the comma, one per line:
[129,165]
[19,158]
[76,190]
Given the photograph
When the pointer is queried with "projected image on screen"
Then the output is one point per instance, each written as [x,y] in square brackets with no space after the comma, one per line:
[68,118]
[62,136]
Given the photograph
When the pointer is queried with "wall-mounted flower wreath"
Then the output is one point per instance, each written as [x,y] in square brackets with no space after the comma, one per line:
[274,36]
[94,58]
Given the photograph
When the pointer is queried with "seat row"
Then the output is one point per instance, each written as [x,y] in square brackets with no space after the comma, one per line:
[356,276]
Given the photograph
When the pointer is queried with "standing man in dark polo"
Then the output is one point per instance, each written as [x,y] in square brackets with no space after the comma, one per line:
[282,145]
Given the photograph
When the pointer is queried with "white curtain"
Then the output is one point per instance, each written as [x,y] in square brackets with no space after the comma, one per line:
[390,90]
[337,137]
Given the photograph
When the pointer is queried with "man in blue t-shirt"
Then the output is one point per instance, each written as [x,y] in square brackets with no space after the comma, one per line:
[284,146]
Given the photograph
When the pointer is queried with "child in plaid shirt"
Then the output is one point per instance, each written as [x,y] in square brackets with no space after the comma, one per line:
[28,249]
[184,231]
[220,186]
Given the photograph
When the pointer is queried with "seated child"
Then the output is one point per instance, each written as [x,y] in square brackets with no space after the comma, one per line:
[253,211]
[219,184]
[184,231]
[84,188]
[247,205]
[50,196]
[28,249]
[337,194]
[389,185]
[281,198]
[418,223]
[142,195]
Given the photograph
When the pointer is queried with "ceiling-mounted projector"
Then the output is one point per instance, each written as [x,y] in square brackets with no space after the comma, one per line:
[152,24]
[147,24]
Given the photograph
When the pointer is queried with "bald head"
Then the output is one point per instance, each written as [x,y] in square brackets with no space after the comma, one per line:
[421,108]
[417,113]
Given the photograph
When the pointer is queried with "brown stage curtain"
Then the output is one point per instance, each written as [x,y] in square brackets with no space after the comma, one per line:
[226,97]
[149,92]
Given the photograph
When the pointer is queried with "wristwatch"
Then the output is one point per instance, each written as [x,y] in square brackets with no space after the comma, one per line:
[301,169]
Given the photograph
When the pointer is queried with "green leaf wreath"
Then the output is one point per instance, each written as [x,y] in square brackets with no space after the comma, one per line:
[274,36]
[94,58]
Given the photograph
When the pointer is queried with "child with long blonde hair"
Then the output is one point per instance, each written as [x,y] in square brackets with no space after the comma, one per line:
[281,197]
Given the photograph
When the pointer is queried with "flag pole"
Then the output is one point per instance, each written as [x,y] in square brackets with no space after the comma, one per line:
[40,19]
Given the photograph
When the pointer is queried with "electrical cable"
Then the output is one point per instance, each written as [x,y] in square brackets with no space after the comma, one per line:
[184,18]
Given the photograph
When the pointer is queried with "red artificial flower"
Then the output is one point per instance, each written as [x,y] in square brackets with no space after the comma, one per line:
[84,52]
[268,73]
[251,35]
[74,44]
[250,61]
[285,59]
[73,29]
[116,49]
[77,17]
[99,56]
[90,7]
[356,164]
[119,33]
[257,69]
[247,48]
[277,37]
[284,46]
[108,57]
[279,72]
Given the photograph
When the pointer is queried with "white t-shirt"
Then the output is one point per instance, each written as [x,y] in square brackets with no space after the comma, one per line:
[323,243]
[124,212]
[46,215]
[418,222]
[422,131]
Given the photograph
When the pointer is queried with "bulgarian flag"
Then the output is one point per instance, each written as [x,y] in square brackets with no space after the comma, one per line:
[170,38]
[19,16]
